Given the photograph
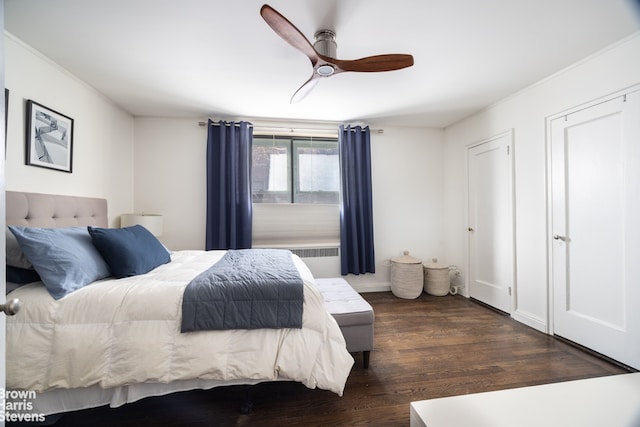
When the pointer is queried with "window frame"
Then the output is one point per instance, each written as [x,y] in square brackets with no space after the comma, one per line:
[293,193]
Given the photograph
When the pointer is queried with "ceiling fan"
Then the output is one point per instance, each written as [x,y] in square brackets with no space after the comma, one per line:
[322,53]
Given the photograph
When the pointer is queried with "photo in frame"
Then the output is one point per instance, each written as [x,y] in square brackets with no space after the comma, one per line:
[49,138]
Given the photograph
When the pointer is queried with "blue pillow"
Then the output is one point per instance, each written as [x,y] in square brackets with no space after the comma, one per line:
[17,276]
[65,258]
[129,251]
[22,276]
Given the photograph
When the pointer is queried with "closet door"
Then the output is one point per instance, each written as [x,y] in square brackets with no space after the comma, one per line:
[595,230]
[490,201]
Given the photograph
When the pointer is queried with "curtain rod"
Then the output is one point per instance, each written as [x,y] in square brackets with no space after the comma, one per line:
[217,124]
[298,130]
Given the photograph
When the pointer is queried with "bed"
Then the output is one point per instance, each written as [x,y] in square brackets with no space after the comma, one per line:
[116,341]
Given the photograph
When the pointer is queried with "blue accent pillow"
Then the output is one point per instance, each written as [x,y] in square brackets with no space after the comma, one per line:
[17,276]
[22,276]
[65,258]
[129,251]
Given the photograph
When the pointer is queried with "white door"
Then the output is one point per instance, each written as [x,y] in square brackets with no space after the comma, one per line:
[491,259]
[595,214]
[2,220]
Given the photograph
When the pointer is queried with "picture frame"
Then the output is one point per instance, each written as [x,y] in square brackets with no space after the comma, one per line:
[49,138]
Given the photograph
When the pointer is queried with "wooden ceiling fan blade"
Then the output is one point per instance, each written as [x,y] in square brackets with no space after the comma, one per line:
[289,32]
[305,89]
[375,63]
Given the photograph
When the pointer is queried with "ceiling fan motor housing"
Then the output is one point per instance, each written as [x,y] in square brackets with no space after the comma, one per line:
[326,43]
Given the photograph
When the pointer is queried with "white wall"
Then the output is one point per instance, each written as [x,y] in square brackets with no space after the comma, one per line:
[103,133]
[607,72]
[408,194]
[407,191]
[170,177]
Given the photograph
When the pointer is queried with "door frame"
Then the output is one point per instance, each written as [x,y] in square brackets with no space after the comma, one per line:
[510,134]
[549,188]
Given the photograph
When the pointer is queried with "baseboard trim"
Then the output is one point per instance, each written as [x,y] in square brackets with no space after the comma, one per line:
[530,320]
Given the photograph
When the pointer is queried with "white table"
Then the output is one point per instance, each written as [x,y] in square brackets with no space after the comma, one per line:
[612,401]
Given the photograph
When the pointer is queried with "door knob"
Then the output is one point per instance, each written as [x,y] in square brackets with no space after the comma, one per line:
[558,237]
[11,307]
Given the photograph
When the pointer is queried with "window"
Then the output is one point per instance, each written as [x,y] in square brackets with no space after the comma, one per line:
[295,170]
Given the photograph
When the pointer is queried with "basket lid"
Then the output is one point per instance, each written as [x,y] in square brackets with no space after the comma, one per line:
[436,266]
[406,259]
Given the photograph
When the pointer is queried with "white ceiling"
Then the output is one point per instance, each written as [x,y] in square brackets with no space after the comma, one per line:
[217,58]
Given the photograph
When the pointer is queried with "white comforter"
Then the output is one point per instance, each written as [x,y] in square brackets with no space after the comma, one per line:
[127,331]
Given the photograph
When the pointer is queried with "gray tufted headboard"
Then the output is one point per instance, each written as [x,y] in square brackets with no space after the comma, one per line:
[52,211]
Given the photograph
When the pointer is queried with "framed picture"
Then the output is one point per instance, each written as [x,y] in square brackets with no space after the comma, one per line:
[49,138]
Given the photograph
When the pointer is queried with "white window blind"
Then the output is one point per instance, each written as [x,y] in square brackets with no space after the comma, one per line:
[295,225]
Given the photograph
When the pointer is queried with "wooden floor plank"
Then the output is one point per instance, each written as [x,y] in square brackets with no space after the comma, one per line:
[424,348]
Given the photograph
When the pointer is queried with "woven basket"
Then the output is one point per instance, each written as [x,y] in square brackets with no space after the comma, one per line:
[406,276]
[436,279]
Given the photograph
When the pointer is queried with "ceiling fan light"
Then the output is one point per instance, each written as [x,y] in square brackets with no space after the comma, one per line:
[325,70]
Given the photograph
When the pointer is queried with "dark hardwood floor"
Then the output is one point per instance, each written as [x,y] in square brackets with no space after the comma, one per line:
[424,348]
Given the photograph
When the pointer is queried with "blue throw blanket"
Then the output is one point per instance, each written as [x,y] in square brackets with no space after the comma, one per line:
[246,289]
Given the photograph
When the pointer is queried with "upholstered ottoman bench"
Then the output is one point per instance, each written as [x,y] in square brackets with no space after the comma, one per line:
[353,314]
